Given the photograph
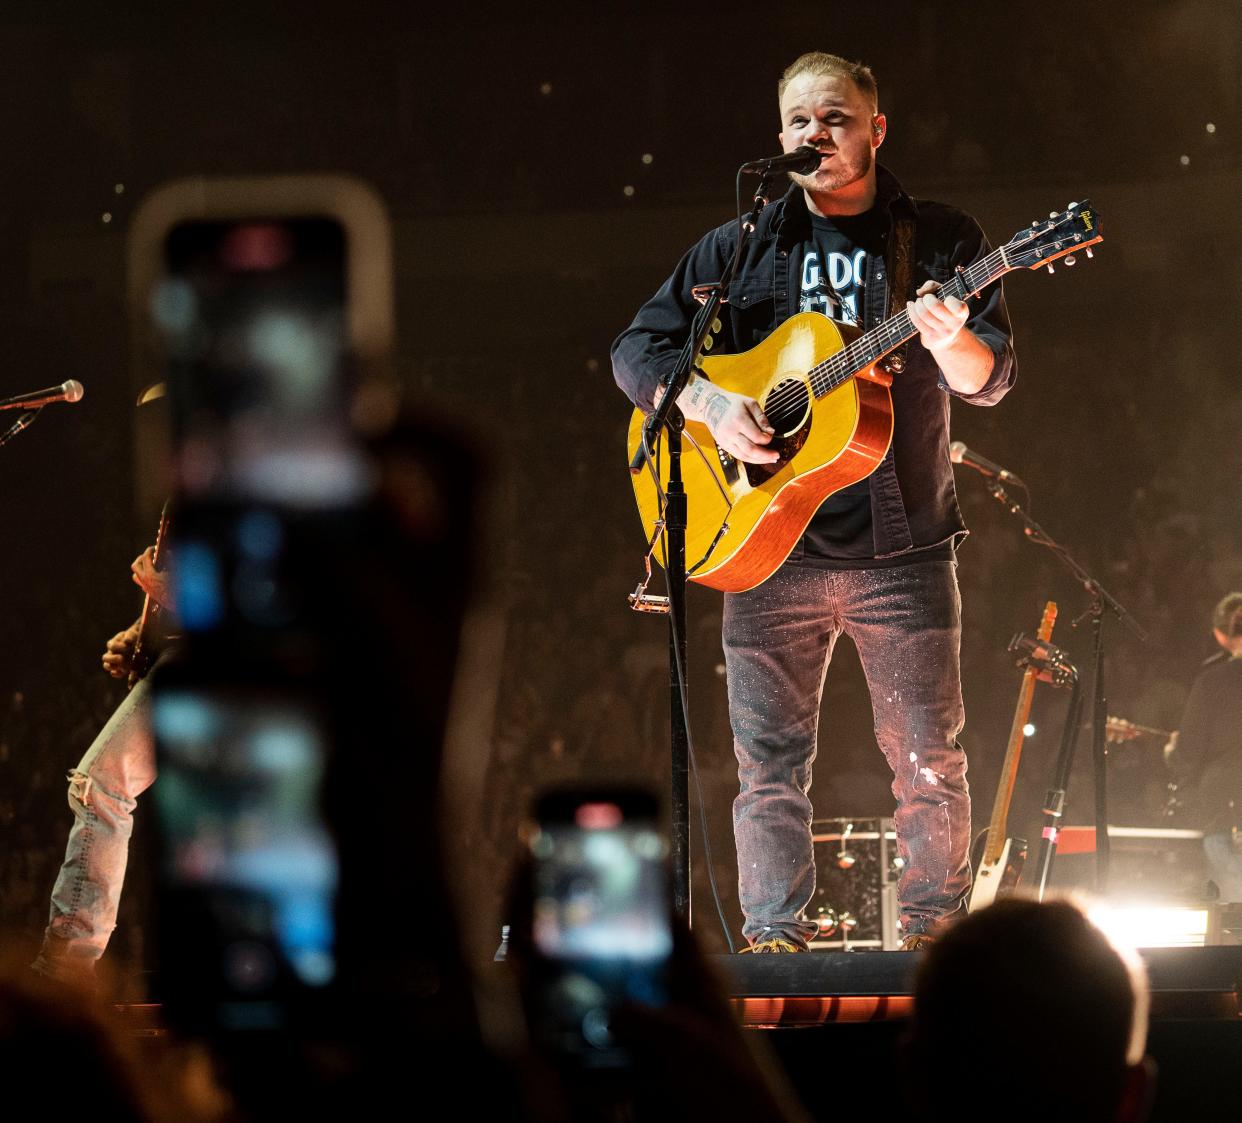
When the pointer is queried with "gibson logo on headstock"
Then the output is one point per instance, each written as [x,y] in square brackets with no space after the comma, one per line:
[1086,220]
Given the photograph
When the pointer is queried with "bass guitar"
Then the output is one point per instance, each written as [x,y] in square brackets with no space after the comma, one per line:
[825,391]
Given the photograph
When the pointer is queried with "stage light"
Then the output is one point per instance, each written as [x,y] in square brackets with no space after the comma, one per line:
[106,217]
[1185,160]
[627,190]
[1146,925]
[119,188]
[546,89]
[648,158]
[1211,128]
[1028,730]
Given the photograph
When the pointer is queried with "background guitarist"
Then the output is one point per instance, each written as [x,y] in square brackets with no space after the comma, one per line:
[103,789]
[877,561]
[1207,751]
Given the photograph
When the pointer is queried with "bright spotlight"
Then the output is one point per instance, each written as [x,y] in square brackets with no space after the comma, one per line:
[1153,926]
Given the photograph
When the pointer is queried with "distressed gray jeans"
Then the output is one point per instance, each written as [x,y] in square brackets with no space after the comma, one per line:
[778,641]
[103,790]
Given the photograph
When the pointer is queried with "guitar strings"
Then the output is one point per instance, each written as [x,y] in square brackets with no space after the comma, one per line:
[856,356]
[847,362]
[859,354]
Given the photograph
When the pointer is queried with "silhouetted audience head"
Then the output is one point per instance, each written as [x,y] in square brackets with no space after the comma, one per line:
[54,1041]
[1026,1011]
[1227,622]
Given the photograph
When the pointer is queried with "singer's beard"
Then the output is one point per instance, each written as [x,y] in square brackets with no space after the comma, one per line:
[836,174]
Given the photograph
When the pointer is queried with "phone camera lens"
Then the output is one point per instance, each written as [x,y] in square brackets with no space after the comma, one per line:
[596,1029]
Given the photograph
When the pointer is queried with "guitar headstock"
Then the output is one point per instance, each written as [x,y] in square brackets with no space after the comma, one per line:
[1078,227]
[1049,618]
[1049,663]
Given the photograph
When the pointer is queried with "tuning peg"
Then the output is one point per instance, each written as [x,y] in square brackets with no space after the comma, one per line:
[707,343]
[1071,206]
[1035,223]
[1052,214]
[1089,253]
[716,326]
[1070,260]
[1050,268]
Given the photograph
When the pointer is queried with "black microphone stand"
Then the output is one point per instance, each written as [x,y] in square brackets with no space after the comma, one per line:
[667,417]
[26,420]
[1054,799]
[1100,601]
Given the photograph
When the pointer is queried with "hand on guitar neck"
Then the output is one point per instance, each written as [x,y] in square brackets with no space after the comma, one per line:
[152,581]
[127,654]
[119,651]
[963,358]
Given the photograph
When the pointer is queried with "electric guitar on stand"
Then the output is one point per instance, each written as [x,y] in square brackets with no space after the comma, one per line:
[999,865]
[824,389]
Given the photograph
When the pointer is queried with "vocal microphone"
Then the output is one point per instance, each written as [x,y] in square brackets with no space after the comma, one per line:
[803,160]
[70,391]
[960,454]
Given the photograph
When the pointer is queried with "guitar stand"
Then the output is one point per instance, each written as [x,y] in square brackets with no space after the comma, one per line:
[1054,800]
[1101,600]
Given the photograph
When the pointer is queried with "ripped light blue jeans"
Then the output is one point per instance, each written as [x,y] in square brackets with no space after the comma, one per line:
[103,790]
[778,641]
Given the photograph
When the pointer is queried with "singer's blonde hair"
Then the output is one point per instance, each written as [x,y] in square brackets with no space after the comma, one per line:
[820,62]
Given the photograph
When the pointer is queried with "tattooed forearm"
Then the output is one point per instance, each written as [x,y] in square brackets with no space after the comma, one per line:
[697,392]
[715,409]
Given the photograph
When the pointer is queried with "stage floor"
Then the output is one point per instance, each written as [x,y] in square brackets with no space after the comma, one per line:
[817,987]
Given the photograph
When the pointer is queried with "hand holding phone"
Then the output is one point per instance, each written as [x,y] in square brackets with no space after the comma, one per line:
[600,918]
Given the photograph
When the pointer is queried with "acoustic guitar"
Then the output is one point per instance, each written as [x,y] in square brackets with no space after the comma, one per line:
[825,391]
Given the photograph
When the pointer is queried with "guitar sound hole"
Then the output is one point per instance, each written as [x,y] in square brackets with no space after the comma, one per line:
[786,406]
[788,410]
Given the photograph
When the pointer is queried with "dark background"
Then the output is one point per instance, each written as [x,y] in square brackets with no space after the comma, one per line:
[508,144]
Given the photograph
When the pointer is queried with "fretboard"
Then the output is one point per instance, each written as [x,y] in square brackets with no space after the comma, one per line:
[893,332]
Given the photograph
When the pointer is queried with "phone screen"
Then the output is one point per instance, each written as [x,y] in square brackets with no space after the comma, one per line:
[248,870]
[252,314]
[600,920]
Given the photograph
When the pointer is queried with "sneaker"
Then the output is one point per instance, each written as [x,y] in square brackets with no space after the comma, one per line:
[917,941]
[774,945]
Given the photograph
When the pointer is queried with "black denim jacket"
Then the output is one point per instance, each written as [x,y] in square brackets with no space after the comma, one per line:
[913,501]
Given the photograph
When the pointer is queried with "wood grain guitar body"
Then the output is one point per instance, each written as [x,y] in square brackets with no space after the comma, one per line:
[744,519]
[821,386]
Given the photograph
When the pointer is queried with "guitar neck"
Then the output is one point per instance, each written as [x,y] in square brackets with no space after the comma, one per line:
[1013,751]
[139,657]
[893,332]
[1009,770]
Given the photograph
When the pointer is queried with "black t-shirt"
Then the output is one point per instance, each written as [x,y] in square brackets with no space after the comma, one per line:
[1209,746]
[833,277]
